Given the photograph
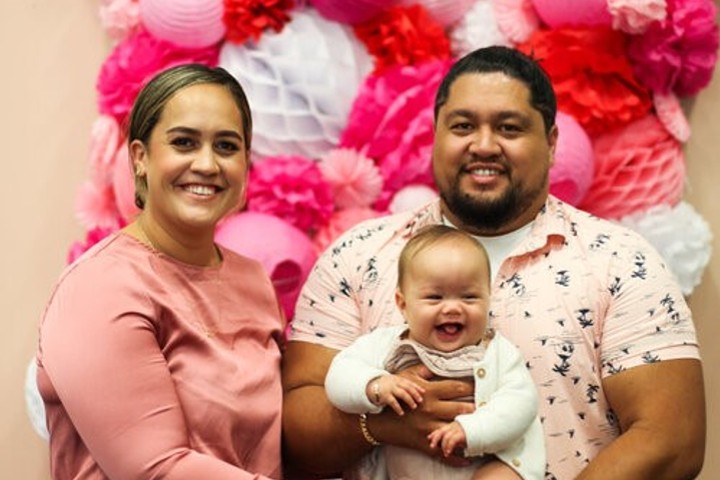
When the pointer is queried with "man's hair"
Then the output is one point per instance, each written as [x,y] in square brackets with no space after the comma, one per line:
[512,63]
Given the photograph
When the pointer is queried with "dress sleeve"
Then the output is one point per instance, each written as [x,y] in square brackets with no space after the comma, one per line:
[99,349]
[647,317]
[352,369]
[506,413]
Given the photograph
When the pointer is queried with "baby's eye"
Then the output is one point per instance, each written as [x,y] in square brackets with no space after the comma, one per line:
[433,296]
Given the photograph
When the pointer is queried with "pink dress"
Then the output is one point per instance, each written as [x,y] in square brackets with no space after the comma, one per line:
[151,368]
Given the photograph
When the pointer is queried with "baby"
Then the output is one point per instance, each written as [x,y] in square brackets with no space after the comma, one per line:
[443,292]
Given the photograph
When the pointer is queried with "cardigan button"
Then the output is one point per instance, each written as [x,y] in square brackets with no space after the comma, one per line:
[516,462]
[480,373]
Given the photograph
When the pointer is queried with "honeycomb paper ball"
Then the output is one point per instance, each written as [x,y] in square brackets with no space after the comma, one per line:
[560,13]
[285,251]
[636,168]
[187,23]
[411,197]
[572,173]
[351,11]
[445,12]
[301,83]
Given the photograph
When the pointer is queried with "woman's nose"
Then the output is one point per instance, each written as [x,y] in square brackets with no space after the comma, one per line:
[205,161]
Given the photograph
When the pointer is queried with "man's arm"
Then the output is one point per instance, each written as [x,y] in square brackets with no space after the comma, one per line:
[321,440]
[661,410]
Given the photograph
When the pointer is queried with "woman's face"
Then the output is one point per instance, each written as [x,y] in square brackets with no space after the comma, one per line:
[196,161]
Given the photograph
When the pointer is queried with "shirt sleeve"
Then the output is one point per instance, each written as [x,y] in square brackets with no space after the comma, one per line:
[504,414]
[647,317]
[353,368]
[99,349]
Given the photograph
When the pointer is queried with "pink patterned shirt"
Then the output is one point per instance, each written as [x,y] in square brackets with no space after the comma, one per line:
[582,298]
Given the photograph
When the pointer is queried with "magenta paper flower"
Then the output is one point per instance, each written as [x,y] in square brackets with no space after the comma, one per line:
[678,54]
[355,180]
[92,237]
[133,62]
[392,122]
[293,189]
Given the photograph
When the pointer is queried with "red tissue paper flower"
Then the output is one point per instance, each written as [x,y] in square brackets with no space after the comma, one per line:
[392,123]
[636,168]
[592,76]
[403,35]
[291,188]
[133,62]
[245,19]
[678,54]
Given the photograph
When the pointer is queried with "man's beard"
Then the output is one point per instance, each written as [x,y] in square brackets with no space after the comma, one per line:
[485,215]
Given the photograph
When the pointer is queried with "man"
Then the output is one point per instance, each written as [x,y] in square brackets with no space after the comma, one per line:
[605,331]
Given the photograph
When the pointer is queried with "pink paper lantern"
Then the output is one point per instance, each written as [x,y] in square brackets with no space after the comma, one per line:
[351,11]
[445,12]
[187,23]
[572,173]
[636,168]
[560,13]
[286,252]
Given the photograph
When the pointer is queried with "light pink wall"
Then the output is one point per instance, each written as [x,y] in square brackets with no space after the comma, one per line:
[51,54]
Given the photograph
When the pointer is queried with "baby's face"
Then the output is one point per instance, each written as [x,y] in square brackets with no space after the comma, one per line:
[445,296]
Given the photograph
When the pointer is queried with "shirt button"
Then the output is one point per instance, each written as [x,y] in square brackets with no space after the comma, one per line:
[480,373]
[516,462]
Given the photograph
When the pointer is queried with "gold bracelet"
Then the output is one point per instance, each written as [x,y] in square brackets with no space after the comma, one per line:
[366,433]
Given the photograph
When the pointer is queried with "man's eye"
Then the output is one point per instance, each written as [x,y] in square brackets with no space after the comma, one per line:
[461,126]
[510,128]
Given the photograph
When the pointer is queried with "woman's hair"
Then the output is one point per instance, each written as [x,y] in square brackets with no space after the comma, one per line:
[150,104]
[431,235]
[512,63]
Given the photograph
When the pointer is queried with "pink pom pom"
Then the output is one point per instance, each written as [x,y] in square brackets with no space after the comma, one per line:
[354,178]
[411,197]
[636,167]
[679,53]
[133,62]
[392,123]
[286,253]
[671,115]
[445,12]
[351,11]
[341,221]
[572,173]
[517,19]
[123,185]
[291,188]
[187,23]
[635,16]
[92,237]
[95,207]
[562,13]
[119,18]
[104,141]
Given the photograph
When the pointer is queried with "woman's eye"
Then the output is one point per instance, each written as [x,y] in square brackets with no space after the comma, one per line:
[182,142]
[230,147]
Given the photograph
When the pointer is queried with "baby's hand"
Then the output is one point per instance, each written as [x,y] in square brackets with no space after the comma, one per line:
[448,437]
[388,389]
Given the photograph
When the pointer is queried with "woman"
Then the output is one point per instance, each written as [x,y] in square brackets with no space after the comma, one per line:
[159,350]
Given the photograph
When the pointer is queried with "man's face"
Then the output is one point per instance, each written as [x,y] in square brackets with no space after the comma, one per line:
[491,156]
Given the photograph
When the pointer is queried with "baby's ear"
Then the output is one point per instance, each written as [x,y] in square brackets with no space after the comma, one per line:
[400,300]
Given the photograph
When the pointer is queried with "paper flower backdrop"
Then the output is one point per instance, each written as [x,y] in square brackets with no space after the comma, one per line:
[342,94]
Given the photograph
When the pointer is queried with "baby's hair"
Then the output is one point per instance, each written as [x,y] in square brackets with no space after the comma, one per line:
[432,235]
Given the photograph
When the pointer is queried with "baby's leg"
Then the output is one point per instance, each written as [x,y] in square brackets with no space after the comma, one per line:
[496,470]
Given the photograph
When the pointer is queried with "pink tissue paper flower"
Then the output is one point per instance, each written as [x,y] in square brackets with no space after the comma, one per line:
[134,61]
[354,178]
[95,206]
[636,167]
[293,189]
[105,140]
[635,16]
[392,122]
[678,54]
[119,18]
